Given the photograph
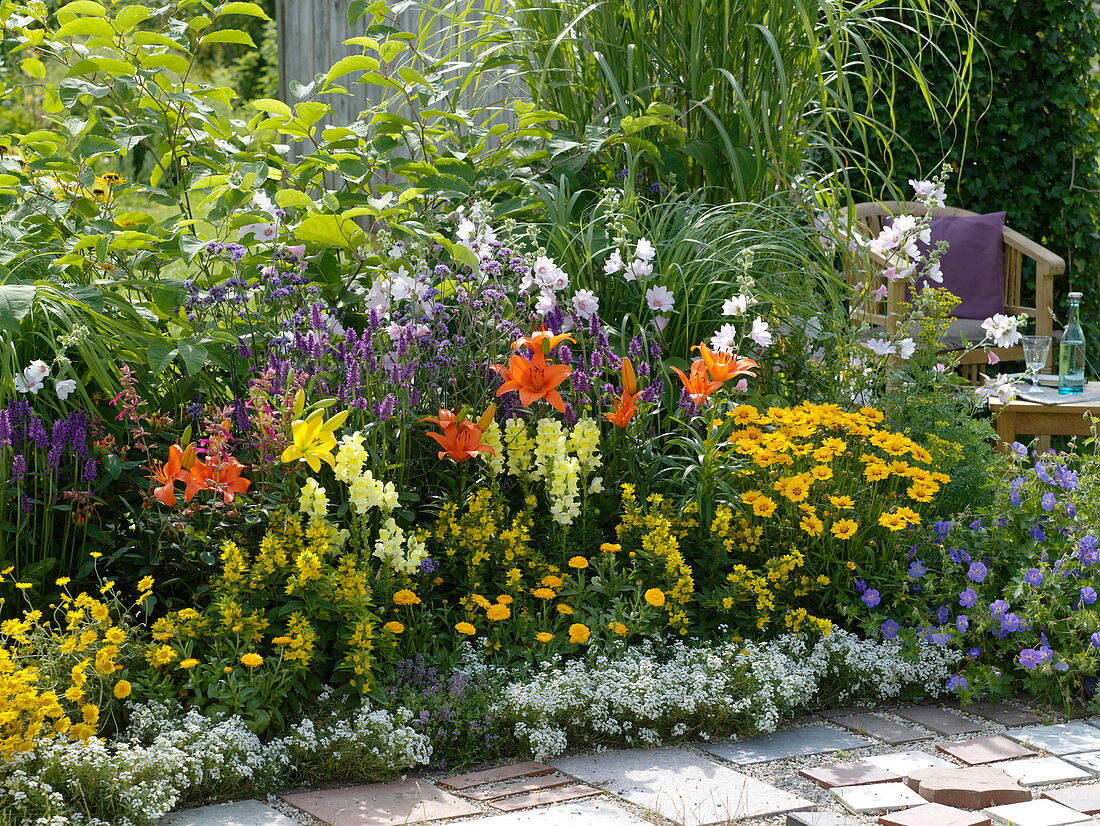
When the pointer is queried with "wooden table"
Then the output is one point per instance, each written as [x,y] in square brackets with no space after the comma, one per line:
[1034,419]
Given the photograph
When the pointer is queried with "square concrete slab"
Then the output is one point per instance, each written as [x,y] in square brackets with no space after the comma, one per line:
[681,786]
[575,791]
[880,728]
[933,814]
[779,745]
[903,762]
[381,804]
[1035,813]
[1003,713]
[509,772]
[241,813]
[822,819]
[1089,761]
[586,812]
[1064,738]
[858,773]
[1080,798]
[1039,771]
[980,750]
[877,798]
[939,720]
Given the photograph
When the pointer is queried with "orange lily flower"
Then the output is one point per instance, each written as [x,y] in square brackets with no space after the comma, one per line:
[461,438]
[541,341]
[625,406]
[168,474]
[534,379]
[221,477]
[698,385]
[722,366]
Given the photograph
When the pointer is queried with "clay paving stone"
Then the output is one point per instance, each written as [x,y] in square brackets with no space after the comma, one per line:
[540,798]
[878,797]
[1035,813]
[939,720]
[510,772]
[980,750]
[885,730]
[1003,713]
[1039,771]
[520,786]
[1081,798]
[381,804]
[1063,738]
[933,814]
[856,773]
[973,787]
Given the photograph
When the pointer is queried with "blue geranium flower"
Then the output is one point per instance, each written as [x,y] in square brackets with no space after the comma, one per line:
[1048,501]
[1018,450]
[871,598]
[942,614]
[917,569]
[1095,639]
[889,629]
[1088,595]
[998,608]
[962,622]
[968,598]
[1029,658]
[973,653]
[977,572]
[1033,576]
[956,682]
[1037,533]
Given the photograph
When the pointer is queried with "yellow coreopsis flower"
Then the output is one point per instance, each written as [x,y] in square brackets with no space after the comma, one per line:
[314,440]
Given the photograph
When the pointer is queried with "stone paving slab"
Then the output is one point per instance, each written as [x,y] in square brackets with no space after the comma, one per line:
[939,720]
[509,772]
[980,750]
[971,787]
[241,813]
[933,814]
[904,762]
[561,794]
[1041,771]
[822,819]
[381,804]
[889,732]
[1080,798]
[780,745]
[1035,813]
[856,773]
[520,785]
[1003,713]
[846,711]
[1063,738]
[877,798]
[681,786]
[581,813]
[1089,761]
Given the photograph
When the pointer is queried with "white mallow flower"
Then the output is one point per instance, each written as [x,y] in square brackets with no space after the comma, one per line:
[725,339]
[1000,386]
[261,232]
[761,333]
[737,305]
[659,299]
[1002,329]
[929,191]
[400,284]
[397,250]
[906,348]
[880,346]
[933,273]
[545,303]
[645,250]
[263,202]
[586,304]
[614,263]
[33,377]
[64,388]
[466,231]
[638,269]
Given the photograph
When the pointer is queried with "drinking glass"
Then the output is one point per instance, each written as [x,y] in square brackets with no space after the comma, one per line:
[1036,353]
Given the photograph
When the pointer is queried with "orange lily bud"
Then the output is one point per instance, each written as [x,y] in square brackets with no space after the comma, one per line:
[630,381]
[486,420]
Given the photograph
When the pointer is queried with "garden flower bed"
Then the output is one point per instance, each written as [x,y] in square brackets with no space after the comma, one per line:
[465,457]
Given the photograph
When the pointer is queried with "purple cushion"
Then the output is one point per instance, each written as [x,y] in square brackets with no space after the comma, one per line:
[973,266]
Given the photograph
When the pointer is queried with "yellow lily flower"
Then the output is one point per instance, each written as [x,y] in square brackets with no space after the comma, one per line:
[314,440]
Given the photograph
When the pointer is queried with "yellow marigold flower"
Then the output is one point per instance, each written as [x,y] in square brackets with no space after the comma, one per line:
[394,627]
[281,640]
[578,562]
[655,597]
[551,581]
[480,601]
[842,502]
[544,593]
[844,528]
[75,693]
[610,547]
[763,506]
[123,689]
[190,662]
[579,633]
[405,597]
[565,609]
[252,660]
[544,636]
[465,628]
[617,628]
[505,599]
[498,612]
